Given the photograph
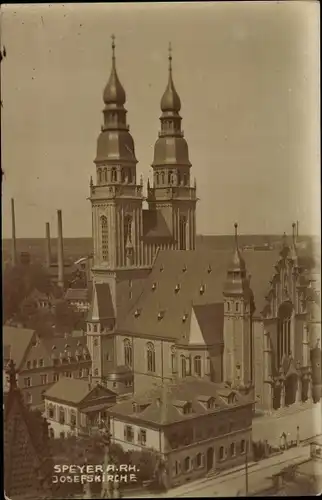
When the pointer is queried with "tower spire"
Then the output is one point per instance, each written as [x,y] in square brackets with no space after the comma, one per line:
[114,93]
[113,49]
[236,235]
[170,57]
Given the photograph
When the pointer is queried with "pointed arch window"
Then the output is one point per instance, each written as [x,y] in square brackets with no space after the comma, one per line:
[150,357]
[127,353]
[179,178]
[182,232]
[162,177]
[185,179]
[130,176]
[127,229]
[104,237]
[99,175]
[105,175]
[157,178]
[123,175]
[170,177]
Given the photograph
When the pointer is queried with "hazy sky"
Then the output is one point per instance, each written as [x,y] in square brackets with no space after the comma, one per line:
[248,78]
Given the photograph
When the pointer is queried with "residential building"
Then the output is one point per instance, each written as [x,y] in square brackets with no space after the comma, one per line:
[78,298]
[40,362]
[195,425]
[75,406]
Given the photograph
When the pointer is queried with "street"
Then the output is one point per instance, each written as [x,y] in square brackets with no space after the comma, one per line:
[232,483]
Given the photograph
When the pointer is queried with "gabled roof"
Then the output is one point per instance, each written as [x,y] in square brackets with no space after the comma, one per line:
[17,341]
[72,390]
[163,405]
[174,287]
[102,307]
[154,225]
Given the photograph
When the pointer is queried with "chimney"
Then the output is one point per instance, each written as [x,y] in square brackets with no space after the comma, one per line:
[48,248]
[60,252]
[14,243]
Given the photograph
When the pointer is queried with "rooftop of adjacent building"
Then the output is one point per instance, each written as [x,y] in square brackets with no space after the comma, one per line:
[183,400]
[75,391]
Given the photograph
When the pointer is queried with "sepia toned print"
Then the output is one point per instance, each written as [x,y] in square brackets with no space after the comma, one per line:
[161,307]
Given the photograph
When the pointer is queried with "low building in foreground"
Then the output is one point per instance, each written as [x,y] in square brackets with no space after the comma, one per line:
[196,426]
[75,406]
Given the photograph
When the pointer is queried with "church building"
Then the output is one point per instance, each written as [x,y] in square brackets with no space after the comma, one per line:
[162,309]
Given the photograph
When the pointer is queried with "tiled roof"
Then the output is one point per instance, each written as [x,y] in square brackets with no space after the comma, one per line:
[19,340]
[154,225]
[73,390]
[77,294]
[174,287]
[163,405]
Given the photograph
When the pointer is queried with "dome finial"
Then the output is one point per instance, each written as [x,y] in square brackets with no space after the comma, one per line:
[236,234]
[170,57]
[113,48]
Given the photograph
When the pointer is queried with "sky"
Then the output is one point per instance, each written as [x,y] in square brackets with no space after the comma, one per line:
[248,77]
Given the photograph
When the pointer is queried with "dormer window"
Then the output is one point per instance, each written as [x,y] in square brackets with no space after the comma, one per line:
[160,315]
[202,289]
[177,288]
[184,318]
[154,286]
[134,407]
[187,408]
[137,313]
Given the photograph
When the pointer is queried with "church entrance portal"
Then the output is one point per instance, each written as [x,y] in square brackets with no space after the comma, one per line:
[290,389]
[210,459]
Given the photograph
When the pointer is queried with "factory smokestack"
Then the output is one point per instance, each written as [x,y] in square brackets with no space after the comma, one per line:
[14,243]
[60,252]
[48,247]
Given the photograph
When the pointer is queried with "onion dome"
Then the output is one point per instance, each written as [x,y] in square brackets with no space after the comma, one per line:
[170,100]
[114,93]
[237,262]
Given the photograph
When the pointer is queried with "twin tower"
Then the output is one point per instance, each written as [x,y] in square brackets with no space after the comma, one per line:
[126,237]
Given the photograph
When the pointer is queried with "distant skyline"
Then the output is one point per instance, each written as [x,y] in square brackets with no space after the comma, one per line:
[248,77]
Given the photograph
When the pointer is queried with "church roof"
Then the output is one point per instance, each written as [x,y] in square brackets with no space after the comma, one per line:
[16,342]
[183,281]
[72,344]
[102,307]
[154,225]
[164,405]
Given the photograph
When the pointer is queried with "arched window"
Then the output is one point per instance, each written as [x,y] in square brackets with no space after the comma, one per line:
[150,357]
[72,417]
[183,366]
[232,450]
[242,446]
[114,174]
[197,366]
[99,175]
[127,229]
[104,237]
[182,232]
[199,460]
[284,332]
[157,178]
[185,179]
[127,352]
[51,411]
[221,453]
[105,175]
[179,177]
[61,415]
[162,177]
[130,175]
[170,177]
[123,175]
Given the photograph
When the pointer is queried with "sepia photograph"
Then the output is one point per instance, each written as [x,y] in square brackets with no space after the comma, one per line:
[161,249]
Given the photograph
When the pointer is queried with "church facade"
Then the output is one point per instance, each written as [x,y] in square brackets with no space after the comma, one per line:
[163,310]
